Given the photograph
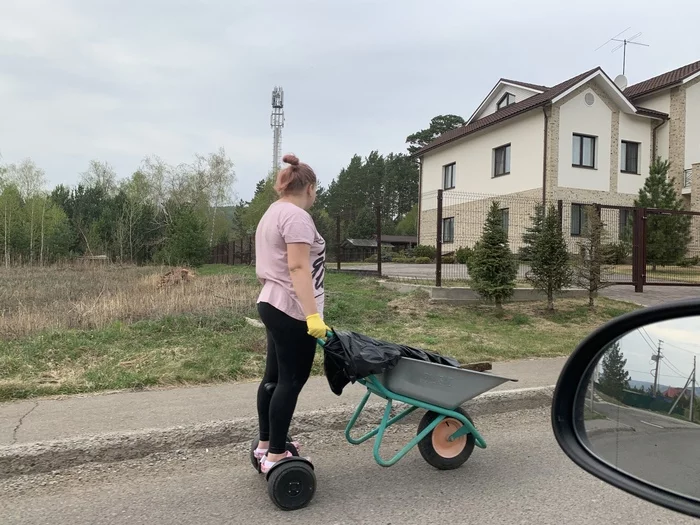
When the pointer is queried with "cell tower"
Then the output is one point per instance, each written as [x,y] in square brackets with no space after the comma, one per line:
[277,123]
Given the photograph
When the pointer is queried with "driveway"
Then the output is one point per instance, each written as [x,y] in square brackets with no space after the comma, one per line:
[651,296]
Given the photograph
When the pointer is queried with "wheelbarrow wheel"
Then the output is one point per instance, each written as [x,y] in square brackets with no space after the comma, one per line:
[437,450]
[254,461]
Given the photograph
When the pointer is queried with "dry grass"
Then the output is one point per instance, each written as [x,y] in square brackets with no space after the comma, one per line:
[68,330]
[34,300]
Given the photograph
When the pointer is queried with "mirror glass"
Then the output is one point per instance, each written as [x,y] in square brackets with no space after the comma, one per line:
[640,407]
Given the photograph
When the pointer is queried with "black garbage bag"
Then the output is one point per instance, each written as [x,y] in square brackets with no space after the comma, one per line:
[349,356]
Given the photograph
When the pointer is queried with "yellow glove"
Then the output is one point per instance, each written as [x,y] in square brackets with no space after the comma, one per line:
[317,328]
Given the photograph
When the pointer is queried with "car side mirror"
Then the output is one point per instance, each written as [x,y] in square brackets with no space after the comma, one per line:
[626,407]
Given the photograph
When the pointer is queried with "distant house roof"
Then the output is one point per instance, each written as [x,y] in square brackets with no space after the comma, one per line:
[665,80]
[365,243]
[399,239]
[674,392]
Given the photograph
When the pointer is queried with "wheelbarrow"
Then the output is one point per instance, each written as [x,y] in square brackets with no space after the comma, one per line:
[446,434]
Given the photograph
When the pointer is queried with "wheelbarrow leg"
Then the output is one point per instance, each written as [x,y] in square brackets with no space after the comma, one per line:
[371,434]
[386,422]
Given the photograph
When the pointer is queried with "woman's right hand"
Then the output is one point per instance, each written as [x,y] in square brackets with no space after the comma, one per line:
[317,328]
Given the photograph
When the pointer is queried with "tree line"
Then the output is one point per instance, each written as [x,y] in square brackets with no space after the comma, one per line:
[174,214]
[388,182]
[161,213]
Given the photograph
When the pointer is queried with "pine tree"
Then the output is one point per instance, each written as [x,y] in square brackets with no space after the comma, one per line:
[590,264]
[187,241]
[667,236]
[531,233]
[493,267]
[613,377]
[550,271]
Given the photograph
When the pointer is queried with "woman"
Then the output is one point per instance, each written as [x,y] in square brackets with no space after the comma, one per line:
[290,264]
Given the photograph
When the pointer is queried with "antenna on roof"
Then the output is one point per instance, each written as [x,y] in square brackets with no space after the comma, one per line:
[623,44]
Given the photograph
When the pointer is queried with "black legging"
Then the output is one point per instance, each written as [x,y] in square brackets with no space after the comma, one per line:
[290,356]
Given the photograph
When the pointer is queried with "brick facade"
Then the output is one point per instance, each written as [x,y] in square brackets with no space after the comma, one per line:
[676,141]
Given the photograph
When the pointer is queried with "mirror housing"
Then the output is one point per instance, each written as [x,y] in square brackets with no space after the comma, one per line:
[567,417]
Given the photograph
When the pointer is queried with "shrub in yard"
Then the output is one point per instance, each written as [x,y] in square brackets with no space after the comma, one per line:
[531,233]
[689,261]
[423,260]
[667,236]
[617,253]
[550,270]
[492,267]
[371,259]
[463,255]
[422,251]
[590,263]
[448,259]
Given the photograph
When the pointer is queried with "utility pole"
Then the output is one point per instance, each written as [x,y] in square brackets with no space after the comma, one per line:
[657,358]
[594,378]
[692,392]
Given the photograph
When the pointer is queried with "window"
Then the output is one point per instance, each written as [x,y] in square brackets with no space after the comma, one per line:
[630,157]
[501,165]
[505,219]
[448,230]
[625,227]
[448,177]
[578,219]
[583,151]
[505,101]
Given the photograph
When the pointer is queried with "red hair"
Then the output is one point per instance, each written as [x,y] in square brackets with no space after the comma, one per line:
[295,177]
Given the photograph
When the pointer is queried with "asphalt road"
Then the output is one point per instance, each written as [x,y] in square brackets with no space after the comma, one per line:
[643,421]
[522,478]
[662,450]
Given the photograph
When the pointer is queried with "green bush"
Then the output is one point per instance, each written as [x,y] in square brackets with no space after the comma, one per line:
[448,259]
[463,255]
[402,259]
[423,260]
[421,251]
[617,253]
[689,261]
[386,257]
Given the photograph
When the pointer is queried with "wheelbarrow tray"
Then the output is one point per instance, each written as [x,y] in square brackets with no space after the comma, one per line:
[440,385]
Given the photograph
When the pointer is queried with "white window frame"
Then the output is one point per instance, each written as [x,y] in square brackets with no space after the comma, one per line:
[449,170]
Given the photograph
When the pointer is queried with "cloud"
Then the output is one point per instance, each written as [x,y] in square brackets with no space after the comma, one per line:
[117,80]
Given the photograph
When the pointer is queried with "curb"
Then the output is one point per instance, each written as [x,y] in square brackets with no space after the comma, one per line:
[36,458]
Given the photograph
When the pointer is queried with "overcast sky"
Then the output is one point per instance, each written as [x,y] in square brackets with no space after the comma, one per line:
[680,343]
[118,80]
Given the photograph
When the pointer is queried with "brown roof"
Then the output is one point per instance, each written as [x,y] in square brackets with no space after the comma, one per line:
[662,81]
[535,101]
[525,84]
[651,113]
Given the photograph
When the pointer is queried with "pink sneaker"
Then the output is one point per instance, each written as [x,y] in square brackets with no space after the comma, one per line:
[266,465]
[260,452]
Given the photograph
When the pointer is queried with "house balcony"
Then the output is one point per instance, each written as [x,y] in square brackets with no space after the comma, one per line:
[687,180]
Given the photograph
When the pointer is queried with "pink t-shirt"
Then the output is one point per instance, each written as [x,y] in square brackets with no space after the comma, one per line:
[285,223]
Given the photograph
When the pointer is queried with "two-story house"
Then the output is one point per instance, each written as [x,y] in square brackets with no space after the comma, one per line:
[588,139]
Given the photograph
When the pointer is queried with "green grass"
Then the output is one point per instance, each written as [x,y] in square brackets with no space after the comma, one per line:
[222,346]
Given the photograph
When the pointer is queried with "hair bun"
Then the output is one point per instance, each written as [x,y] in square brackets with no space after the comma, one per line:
[291,159]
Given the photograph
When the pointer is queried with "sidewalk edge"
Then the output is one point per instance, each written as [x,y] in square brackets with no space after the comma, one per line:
[36,458]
